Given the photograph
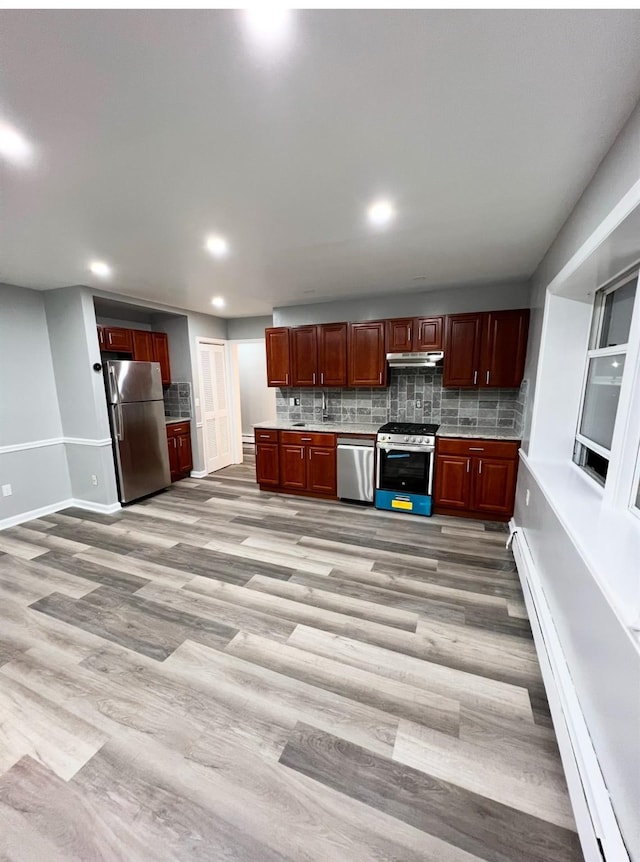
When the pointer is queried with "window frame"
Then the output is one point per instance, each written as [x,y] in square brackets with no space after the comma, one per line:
[594,352]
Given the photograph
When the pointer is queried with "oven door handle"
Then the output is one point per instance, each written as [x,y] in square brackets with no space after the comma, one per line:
[404,447]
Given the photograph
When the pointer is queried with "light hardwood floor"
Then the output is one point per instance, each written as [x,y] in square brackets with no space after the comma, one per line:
[218,673]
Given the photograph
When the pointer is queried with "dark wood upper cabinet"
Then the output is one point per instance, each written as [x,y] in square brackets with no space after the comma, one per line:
[504,348]
[278,356]
[405,334]
[400,335]
[142,345]
[367,354]
[304,356]
[117,339]
[332,354]
[428,333]
[462,350]
[160,347]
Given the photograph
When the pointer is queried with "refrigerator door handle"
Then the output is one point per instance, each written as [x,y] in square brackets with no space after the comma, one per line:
[113,389]
[119,424]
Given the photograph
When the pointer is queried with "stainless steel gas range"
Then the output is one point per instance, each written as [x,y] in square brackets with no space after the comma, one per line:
[405,462]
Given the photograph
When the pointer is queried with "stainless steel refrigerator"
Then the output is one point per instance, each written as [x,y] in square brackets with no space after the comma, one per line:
[136,416]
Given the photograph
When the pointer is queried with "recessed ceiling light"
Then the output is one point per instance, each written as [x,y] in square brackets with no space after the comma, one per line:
[99,267]
[269,26]
[381,212]
[217,246]
[14,147]
[218,301]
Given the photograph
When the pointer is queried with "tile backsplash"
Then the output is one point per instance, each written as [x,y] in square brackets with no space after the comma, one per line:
[495,408]
[177,400]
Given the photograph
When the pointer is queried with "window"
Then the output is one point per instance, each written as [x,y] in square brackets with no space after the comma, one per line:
[606,357]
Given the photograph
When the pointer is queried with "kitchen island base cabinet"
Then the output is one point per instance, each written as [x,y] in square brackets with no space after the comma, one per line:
[180,455]
[476,478]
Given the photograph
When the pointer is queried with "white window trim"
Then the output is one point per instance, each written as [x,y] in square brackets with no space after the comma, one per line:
[612,485]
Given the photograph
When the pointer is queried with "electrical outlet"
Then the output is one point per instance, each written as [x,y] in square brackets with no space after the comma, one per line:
[296,402]
[94,479]
[527,497]
[418,404]
[6,491]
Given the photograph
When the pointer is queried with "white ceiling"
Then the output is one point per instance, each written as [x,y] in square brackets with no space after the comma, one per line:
[156,128]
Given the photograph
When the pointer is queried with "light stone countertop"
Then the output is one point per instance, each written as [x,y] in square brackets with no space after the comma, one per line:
[173,420]
[328,427]
[478,432]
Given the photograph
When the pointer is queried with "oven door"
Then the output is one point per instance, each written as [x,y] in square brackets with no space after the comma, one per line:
[405,468]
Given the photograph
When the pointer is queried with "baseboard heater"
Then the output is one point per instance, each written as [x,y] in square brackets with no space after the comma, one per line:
[596,822]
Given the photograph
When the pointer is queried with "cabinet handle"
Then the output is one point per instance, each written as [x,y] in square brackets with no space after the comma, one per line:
[409,335]
[314,378]
[264,436]
[488,375]
[110,337]
[381,377]
[468,464]
[286,378]
[476,449]
[309,454]
[475,377]
[479,467]
[322,377]
[302,453]
[305,439]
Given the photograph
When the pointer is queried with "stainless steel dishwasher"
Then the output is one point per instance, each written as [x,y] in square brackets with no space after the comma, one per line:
[356,468]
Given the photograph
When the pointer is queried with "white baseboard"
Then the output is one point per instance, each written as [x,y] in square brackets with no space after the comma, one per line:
[198,474]
[23,517]
[90,506]
[597,826]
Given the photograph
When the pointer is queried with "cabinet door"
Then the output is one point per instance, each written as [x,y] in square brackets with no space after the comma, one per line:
[504,347]
[174,464]
[277,346]
[428,333]
[304,356]
[267,464]
[293,467]
[332,354]
[453,481]
[321,476]
[494,485]
[367,357]
[462,350]
[160,343]
[142,346]
[400,333]
[117,339]
[185,460]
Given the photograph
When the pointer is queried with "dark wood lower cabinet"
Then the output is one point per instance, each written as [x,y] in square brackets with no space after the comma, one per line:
[296,462]
[267,464]
[180,454]
[476,478]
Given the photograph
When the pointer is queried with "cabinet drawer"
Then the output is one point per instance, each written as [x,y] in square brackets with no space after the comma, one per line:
[311,438]
[265,435]
[177,428]
[479,448]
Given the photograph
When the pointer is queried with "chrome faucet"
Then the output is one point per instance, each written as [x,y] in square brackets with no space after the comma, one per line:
[325,416]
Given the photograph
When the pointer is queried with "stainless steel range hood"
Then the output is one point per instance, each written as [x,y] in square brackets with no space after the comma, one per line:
[426,359]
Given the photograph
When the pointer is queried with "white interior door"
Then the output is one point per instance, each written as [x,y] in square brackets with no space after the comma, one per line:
[214,401]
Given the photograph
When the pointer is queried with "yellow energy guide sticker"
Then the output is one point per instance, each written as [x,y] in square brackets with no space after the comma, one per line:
[401,504]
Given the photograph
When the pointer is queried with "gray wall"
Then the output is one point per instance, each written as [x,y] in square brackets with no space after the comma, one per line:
[451,300]
[126,324]
[81,395]
[29,409]
[248,327]
[617,173]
